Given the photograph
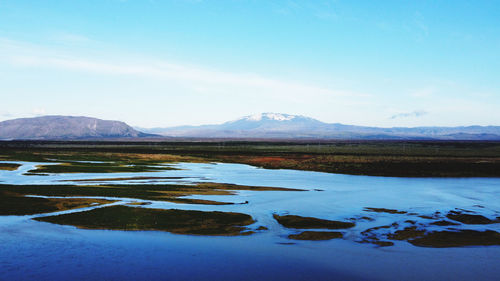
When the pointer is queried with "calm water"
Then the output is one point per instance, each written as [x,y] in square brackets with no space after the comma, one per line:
[43,251]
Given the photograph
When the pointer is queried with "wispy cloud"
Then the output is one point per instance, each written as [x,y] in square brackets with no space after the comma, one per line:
[194,77]
[38,111]
[417,113]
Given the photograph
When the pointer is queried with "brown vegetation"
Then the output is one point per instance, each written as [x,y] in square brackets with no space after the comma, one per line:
[316,235]
[384,210]
[461,238]
[468,218]
[18,204]
[292,221]
[9,166]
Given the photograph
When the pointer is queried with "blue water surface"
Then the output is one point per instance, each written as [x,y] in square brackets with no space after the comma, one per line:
[34,250]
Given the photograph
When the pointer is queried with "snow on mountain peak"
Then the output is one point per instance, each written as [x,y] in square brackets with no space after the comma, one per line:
[269,116]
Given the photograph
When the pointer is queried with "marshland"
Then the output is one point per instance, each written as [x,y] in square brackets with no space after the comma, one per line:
[295,210]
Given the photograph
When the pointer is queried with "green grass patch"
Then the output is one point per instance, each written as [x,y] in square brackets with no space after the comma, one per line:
[175,221]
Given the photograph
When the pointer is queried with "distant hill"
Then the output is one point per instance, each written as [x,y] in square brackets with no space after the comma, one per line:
[66,127]
[285,126]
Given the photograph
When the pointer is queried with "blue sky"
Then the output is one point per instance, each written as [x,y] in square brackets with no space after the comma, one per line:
[164,63]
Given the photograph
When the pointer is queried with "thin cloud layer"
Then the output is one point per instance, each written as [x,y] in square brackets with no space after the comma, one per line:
[20,55]
[414,114]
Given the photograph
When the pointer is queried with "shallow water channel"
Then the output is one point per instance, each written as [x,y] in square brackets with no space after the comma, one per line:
[45,251]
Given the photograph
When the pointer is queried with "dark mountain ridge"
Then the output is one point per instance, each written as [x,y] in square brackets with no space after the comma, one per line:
[66,127]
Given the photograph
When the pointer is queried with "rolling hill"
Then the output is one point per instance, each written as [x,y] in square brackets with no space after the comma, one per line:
[66,127]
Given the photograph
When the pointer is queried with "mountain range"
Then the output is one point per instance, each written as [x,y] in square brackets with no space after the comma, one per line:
[285,126]
[259,126]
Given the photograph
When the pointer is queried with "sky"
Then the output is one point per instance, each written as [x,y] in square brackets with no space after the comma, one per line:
[191,62]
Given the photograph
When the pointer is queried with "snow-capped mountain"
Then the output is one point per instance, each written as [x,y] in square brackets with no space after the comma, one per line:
[271,121]
[270,116]
[264,125]
[286,126]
